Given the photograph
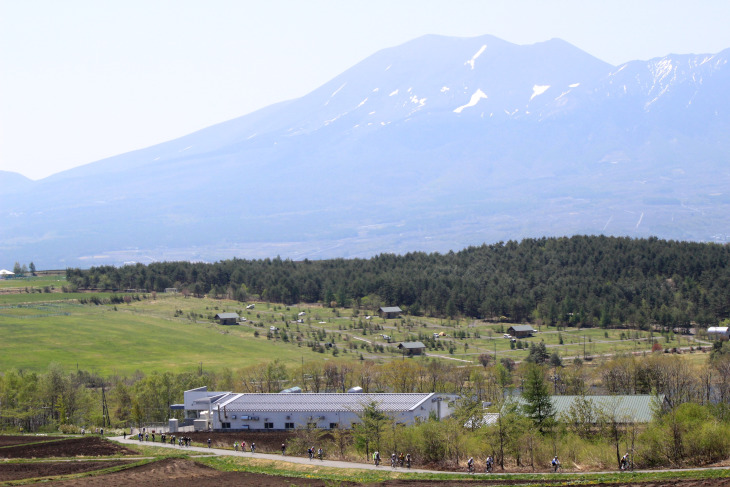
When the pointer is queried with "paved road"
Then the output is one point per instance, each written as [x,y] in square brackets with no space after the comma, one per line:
[363,466]
[271,456]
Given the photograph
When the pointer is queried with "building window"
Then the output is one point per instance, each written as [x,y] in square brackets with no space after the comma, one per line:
[333,426]
[225,425]
[269,426]
[289,426]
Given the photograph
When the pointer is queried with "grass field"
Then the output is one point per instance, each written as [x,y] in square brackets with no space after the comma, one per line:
[171,332]
[33,282]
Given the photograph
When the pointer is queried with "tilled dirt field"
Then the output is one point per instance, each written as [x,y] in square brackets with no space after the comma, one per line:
[87,446]
[17,471]
[21,440]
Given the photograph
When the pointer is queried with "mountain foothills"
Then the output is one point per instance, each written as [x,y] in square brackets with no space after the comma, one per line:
[437,144]
[577,281]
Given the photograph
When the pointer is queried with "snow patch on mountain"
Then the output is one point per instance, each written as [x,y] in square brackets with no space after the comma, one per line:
[538,90]
[470,62]
[478,95]
[338,90]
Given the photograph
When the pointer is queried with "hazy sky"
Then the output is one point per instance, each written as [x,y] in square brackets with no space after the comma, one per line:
[81,80]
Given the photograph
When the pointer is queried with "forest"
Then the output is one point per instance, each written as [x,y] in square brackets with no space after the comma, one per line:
[577,281]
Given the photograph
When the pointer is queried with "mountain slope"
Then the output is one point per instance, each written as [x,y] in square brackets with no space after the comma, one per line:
[433,145]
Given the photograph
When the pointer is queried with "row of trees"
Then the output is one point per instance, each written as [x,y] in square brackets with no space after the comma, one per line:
[582,280]
[22,270]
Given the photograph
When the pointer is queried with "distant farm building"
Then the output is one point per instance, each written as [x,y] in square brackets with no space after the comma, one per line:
[521,331]
[227,318]
[390,312]
[718,332]
[226,411]
[625,409]
[412,348]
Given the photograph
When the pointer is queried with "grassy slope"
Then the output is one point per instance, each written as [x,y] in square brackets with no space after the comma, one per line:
[99,339]
[176,333]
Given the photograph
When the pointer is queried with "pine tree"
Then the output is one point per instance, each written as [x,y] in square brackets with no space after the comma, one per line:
[536,394]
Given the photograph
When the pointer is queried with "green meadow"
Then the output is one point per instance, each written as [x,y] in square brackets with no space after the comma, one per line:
[155,332]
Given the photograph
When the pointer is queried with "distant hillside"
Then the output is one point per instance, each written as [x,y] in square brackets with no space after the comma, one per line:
[580,281]
[437,144]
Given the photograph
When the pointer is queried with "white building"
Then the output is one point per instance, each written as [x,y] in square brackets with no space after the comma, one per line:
[717,331]
[234,411]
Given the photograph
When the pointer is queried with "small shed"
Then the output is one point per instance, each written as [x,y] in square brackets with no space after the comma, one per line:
[227,318]
[412,348]
[521,331]
[388,312]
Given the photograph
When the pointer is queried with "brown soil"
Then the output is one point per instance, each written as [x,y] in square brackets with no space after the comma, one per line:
[23,439]
[183,473]
[86,446]
[17,471]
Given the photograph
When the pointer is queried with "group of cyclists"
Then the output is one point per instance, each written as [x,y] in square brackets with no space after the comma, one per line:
[320,453]
[624,464]
[402,460]
[488,464]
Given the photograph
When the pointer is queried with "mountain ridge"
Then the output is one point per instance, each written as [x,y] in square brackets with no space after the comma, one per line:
[436,144]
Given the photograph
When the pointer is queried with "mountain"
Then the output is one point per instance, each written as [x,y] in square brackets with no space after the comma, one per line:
[433,145]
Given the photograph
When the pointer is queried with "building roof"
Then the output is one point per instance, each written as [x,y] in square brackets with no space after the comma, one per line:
[227,316]
[522,328]
[391,309]
[717,329]
[5,272]
[638,408]
[327,402]
[411,345]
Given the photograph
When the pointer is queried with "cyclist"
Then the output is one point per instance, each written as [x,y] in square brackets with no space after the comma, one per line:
[393,460]
[470,465]
[310,451]
[490,464]
[401,459]
[208,442]
[320,453]
[376,458]
[253,447]
[283,449]
[408,460]
[555,463]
